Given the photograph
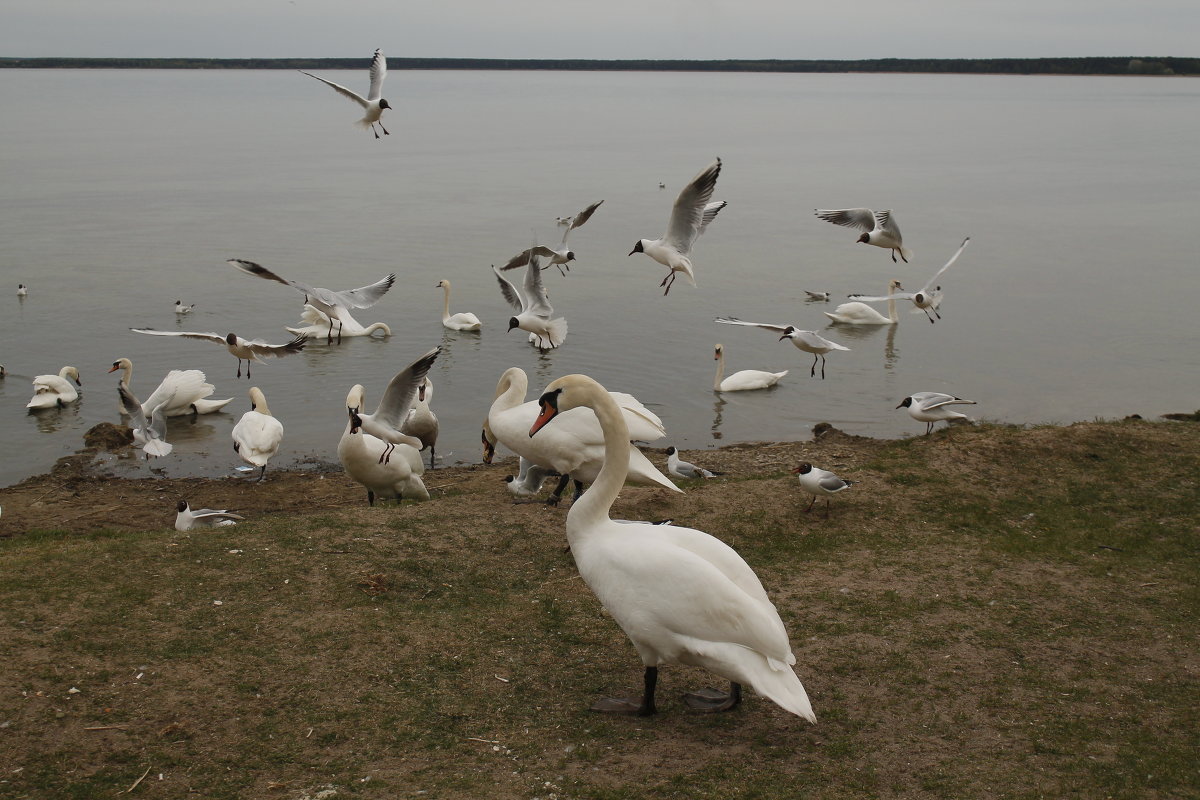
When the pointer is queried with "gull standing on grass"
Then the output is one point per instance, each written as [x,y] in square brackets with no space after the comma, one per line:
[819,482]
[534,307]
[690,215]
[373,103]
[808,341]
[686,469]
[257,435]
[930,407]
[563,255]
[330,303]
[880,229]
[928,297]
[187,518]
[243,349]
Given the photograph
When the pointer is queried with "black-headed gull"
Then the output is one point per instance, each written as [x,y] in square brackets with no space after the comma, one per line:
[686,469]
[880,229]
[821,297]
[929,296]
[808,341]
[181,309]
[691,214]
[561,256]
[393,407]
[332,304]
[930,407]
[258,434]
[22,290]
[187,518]
[819,483]
[742,380]
[535,314]
[529,478]
[373,103]
[55,391]
[149,435]
[243,349]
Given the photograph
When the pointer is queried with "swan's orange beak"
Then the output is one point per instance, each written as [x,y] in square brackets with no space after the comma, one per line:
[113,368]
[547,413]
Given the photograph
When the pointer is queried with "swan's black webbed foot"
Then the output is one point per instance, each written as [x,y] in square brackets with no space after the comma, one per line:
[710,700]
[623,705]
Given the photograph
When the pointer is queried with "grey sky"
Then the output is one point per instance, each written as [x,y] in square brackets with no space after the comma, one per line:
[700,29]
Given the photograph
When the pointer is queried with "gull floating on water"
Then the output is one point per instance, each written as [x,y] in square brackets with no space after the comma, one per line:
[880,229]
[181,309]
[561,256]
[22,290]
[930,407]
[819,482]
[244,349]
[535,312]
[821,296]
[373,103]
[187,518]
[929,296]
[690,215]
[808,341]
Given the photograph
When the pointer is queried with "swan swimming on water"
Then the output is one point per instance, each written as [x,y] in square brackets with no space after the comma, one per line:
[743,380]
[182,392]
[55,391]
[859,313]
[463,320]
[314,324]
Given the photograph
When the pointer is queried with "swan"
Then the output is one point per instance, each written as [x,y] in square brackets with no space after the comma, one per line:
[187,518]
[859,313]
[686,469]
[742,381]
[463,320]
[181,393]
[930,407]
[181,309]
[928,297]
[690,215]
[373,103]
[808,341]
[55,391]
[257,435]
[818,481]
[421,422]
[149,435]
[243,349]
[563,255]
[880,229]
[314,323]
[575,448]
[681,595]
[393,407]
[534,307]
[330,303]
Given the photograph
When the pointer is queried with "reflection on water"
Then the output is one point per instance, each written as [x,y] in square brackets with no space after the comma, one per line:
[718,407]
[51,420]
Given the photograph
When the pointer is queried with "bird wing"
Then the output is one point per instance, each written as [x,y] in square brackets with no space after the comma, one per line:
[521,259]
[342,90]
[710,213]
[884,221]
[687,216]
[764,325]
[210,513]
[378,73]
[863,298]
[831,483]
[580,218]
[207,337]
[509,291]
[366,296]
[814,339]
[263,348]
[402,390]
[861,218]
[945,266]
[132,407]
[535,292]
[258,270]
[932,400]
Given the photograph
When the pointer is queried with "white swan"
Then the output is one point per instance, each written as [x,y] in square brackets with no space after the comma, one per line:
[561,257]
[187,518]
[181,393]
[54,391]
[878,226]
[930,407]
[373,103]
[149,435]
[314,323]
[808,341]
[393,407]
[421,422]
[681,595]
[533,307]
[257,435]
[819,482]
[243,349]
[743,380]
[575,448]
[690,215]
[859,313]
[463,320]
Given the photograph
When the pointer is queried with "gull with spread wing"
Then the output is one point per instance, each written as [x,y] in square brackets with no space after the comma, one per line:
[808,341]
[533,307]
[149,435]
[563,254]
[878,226]
[244,349]
[929,296]
[373,103]
[690,215]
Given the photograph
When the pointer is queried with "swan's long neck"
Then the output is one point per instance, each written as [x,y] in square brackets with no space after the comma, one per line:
[594,506]
[720,372]
[378,326]
[510,391]
[892,303]
[127,374]
[446,302]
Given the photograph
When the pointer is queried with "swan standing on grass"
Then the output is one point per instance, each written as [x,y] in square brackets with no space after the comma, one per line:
[463,320]
[808,341]
[575,447]
[563,255]
[315,324]
[421,422]
[744,380]
[149,435]
[243,349]
[373,103]
[930,407]
[534,308]
[257,435]
[360,451]
[54,391]
[187,518]
[181,393]
[690,215]
[929,296]
[859,313]
[681,595]
[880,229]
[819,482]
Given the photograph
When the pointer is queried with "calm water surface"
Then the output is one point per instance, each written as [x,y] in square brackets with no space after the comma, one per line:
[126,190]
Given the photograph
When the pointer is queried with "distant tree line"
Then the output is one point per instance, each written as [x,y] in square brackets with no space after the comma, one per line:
[1098,65]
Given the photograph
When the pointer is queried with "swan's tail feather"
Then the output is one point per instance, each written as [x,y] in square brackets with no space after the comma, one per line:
[781,686]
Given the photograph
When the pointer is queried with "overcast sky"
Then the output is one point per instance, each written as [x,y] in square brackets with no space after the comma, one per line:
[698,29]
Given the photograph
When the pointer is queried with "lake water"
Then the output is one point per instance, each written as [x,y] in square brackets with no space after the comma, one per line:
[126,190]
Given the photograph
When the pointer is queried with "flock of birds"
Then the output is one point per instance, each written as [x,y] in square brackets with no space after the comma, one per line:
[681,595]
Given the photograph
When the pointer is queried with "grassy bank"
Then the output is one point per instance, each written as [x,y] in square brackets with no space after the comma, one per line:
[990,613]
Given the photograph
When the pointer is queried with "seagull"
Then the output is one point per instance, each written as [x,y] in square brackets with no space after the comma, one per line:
[685,469]
[926,298]
[534,307]
[881,229]
[817,481]
[148,435]
[563,254]
[808,341]
[393,407]
[330,303]
[22,291]
[244,349]
[529,478]
[690,215]
[821,296]
[930,407]
[372,103]
[187,518]
[181,309]
[258,434]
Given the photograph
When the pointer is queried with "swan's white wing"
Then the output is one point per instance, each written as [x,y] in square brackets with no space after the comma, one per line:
[688,212]
[402,390]
[763,325]
[710,213]
[190,384]
[207,337]
[342,90]
[366,296]
[946,266]
[378,73]
[861,218]
[535,292]
[509,291]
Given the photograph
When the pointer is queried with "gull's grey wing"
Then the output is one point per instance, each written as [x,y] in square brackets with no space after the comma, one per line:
[378,73]
[580,218]
[863,298]
[342,90]
[509,291]
[861,218]
[710,213]
[132,407]
[259,271]
[367,296]
[535,293]
[814,339]
[831,482]
[402,390]
[207,337]
[764,325]
[931,400]
[521,259]
[884,221]
[210,513]
[946,266]
[688,213]
[262,348]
